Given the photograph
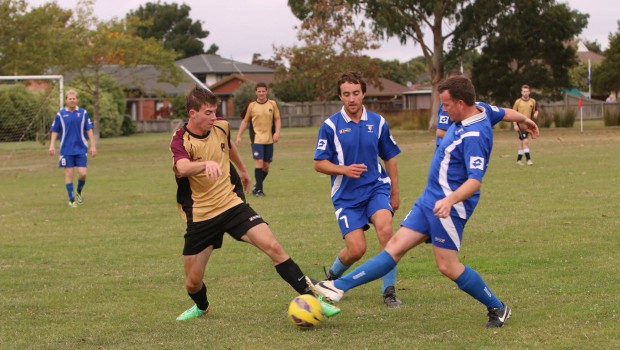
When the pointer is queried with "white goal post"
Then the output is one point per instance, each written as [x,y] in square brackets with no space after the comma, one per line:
[41,77]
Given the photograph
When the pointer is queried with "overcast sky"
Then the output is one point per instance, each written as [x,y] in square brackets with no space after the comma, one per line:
[243,27]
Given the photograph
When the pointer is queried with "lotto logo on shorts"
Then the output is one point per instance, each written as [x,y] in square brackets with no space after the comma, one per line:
[476,163]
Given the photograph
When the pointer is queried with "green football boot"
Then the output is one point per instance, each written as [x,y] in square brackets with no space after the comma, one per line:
[328,310]
[191,313]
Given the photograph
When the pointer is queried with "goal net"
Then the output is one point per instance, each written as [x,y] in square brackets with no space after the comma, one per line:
[28,104]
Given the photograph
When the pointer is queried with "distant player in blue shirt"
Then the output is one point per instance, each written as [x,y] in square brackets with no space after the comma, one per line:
[75,129]
[443,123]
[350,145]
[448,201]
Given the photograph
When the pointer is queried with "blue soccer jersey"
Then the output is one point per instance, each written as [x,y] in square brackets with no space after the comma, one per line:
[463,154]
[71,128]
[443,121]
[344,142]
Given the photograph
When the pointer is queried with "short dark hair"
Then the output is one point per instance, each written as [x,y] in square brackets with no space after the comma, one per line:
[198,96]
[261,84]
[460,88]
[353,78]
[525,86]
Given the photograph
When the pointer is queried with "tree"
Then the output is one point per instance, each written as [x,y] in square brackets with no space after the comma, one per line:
[593,46]
[96,45]
[403,73]
[28,38]
[171,24]
[407,20]
[606,77]
[333,44]
[532,51]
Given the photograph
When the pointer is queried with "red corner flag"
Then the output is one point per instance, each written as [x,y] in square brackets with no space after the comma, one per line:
[580,102]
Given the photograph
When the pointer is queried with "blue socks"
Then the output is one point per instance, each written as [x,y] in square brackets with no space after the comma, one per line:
[70,191]
[338,268]
[369,271]
[389,279]
[471,283]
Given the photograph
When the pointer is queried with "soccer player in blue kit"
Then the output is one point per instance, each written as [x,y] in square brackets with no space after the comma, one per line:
[349,146]
[448,201]
[73,125]
[443,124]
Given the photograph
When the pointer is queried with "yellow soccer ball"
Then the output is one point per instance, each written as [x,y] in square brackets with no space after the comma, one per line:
[305,311]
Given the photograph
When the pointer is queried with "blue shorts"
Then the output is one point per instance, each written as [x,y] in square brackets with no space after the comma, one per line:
[72,161]
[264,152]
[353,218]
[444,233]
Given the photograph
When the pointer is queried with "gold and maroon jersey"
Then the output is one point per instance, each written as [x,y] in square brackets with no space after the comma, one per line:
[262,116]
[527,108]
[199,198]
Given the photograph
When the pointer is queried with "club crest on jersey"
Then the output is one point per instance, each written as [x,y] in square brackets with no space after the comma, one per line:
[476,163]
[223,146]
[369,126]
[342,131]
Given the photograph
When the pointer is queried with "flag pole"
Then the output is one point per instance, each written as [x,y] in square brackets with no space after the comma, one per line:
[589,79]
[580,105]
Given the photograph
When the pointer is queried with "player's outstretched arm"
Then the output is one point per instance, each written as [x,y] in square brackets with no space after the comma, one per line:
[524,122]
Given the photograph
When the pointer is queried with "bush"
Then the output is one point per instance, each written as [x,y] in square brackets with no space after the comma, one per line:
[128,126]
[111,103]
[564,118]
[24,114]
[545,118]
[409,120]
[612,117]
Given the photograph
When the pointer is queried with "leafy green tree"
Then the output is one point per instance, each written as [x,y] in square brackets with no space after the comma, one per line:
[408,20]
[593,46]
[98,45]
[606,77]
[333,44]
[243,96]
[28,38]
[171,24]
[531,51]
[111,102]
[403,73]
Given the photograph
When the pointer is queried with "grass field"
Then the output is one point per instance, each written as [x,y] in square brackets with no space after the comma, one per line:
[108,275]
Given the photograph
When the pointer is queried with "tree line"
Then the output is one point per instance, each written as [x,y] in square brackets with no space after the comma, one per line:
[503,44]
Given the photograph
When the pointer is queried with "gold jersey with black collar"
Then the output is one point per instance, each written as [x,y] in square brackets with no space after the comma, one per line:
[198,197]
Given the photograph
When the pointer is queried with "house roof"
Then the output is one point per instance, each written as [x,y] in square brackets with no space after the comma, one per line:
[389,88]
[144,78]
[214,64]
[583,54]
[266,78]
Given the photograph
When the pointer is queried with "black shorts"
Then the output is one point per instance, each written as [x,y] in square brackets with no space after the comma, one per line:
[522,135]
[237,221]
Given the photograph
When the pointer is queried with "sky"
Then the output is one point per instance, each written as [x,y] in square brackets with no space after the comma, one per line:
[232,24]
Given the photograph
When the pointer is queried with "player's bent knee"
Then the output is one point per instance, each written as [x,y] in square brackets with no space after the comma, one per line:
[357,252]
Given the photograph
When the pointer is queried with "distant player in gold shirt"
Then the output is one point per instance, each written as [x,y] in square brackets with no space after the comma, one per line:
[528,107]
[262,116]
[202,152]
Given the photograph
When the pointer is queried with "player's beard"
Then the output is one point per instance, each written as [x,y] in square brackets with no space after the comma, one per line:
[353,110]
